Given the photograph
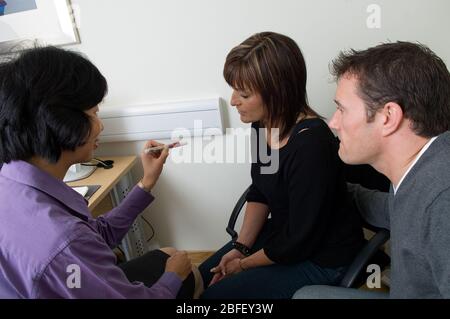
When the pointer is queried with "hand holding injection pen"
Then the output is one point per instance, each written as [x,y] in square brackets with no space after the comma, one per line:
[161,147]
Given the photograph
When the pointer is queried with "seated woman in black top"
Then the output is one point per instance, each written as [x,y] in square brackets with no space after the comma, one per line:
[312,236]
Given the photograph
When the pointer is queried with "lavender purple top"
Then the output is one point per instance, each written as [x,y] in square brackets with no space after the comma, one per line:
[48,236]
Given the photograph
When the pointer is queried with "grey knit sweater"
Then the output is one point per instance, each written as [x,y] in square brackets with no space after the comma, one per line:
[418,217]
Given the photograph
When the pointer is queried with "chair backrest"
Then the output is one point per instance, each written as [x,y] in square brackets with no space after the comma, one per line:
[371,253]
[235,214]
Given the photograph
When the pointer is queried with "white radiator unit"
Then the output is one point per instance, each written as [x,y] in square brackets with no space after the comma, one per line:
[159,121]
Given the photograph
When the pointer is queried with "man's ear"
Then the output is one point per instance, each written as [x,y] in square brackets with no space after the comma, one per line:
[392,117]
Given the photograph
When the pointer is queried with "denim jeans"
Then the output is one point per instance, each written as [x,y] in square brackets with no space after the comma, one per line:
[266,282]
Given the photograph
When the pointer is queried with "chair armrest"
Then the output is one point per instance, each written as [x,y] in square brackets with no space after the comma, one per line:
[363,257]
[235,214]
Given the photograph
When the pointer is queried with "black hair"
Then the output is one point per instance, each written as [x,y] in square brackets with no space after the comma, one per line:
[44,92]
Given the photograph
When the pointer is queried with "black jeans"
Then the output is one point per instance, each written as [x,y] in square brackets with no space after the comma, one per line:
[150,267]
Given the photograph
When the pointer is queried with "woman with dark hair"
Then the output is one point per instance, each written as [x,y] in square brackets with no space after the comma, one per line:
[312,234]
[50,246]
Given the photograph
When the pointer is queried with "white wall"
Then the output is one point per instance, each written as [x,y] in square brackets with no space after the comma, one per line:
[165,50]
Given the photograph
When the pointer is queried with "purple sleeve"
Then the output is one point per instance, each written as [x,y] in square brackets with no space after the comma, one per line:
[86,268]
[114,225]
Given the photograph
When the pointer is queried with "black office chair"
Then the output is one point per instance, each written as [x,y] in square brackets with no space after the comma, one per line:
[371,253]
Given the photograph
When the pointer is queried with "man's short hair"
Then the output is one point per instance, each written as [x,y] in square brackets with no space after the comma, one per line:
[43,95]
[408,74]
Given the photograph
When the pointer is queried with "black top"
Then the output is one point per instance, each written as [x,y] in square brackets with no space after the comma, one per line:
[307,198]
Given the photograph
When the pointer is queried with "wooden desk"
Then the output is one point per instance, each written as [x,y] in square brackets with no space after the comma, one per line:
[117,182]
[107,178]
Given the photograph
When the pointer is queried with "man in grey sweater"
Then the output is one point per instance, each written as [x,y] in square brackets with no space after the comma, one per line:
[393,112]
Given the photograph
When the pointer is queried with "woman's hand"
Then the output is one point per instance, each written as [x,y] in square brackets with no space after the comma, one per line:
[180,264]
[221,269]
[153,164]
[233,267]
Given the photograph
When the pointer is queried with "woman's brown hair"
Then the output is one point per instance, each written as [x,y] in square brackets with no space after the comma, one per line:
[272,65]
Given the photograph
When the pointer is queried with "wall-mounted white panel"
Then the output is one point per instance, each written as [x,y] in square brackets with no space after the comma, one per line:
[159,121]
